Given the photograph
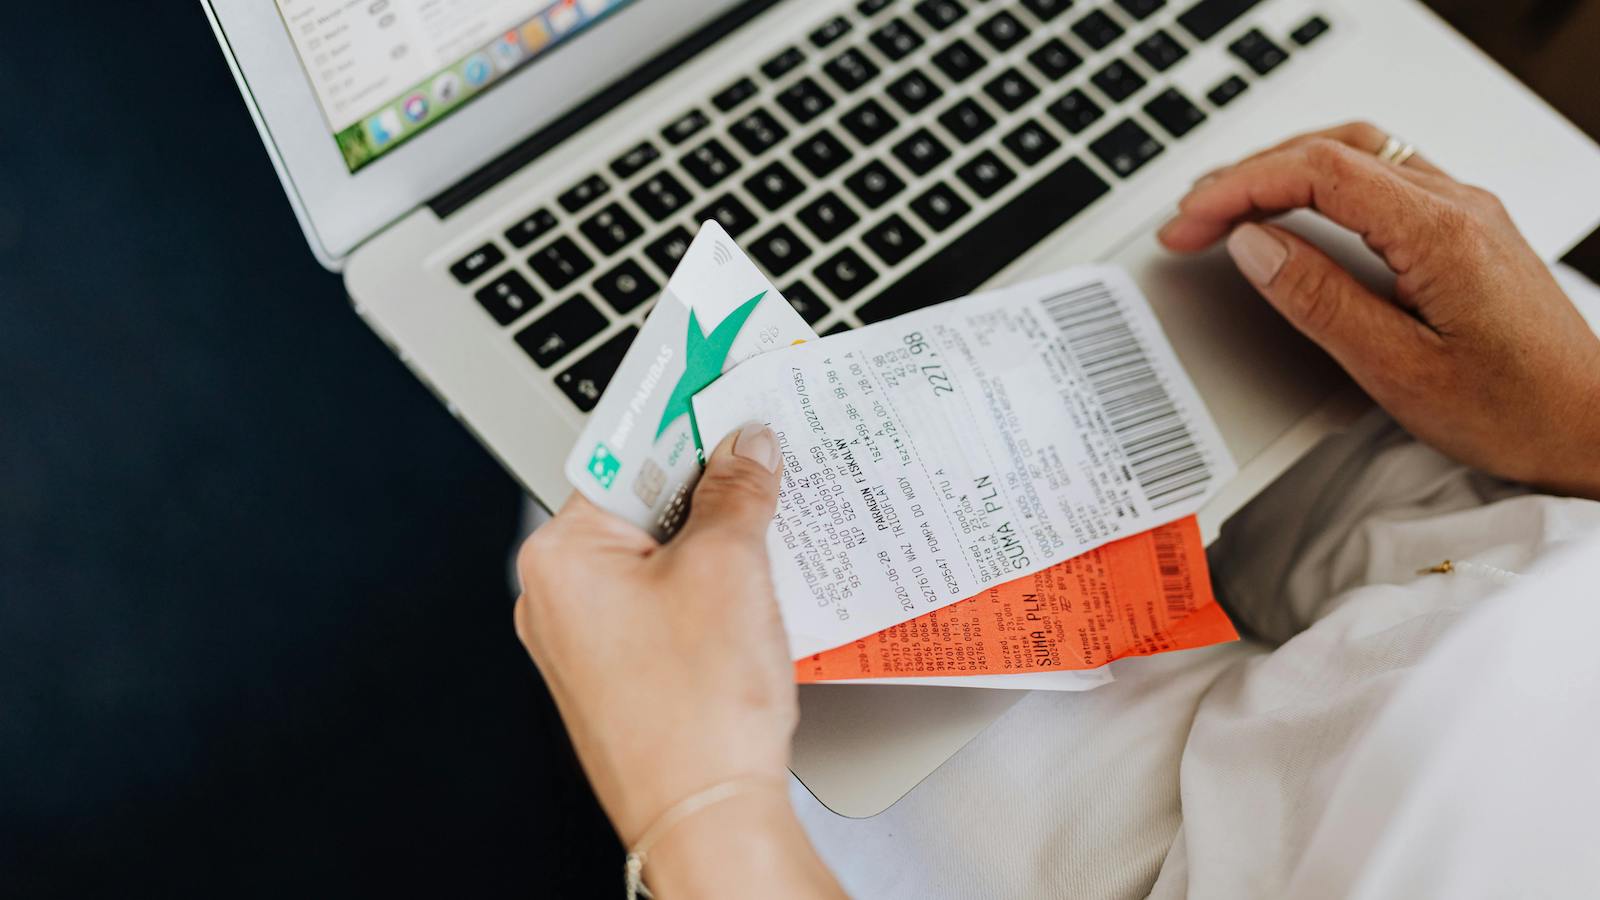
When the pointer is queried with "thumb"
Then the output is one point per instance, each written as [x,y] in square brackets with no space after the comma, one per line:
[1358,328]
[738,492]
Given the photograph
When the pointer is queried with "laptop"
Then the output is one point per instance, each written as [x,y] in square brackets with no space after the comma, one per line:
[506,185]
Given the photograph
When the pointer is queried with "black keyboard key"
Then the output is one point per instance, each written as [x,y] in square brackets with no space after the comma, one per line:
[1161,50]
[845,274]
[586,380]
[661,196]
[1010,89]
[734,94]
[993,244]
[1141,9]
[560,263]
[868,122]
[874,185]
[896,39]
[687,126]
[1174,112]
[1047,9]
[872,7]
[1031,143]
[966,120]
[986,174]
[828,217]
[1075,111]
[821,153]
[1054,59]
[893,240]
[1224,93]
[774,186]
[940,207]
[921,152]
[783,63]
[959,61]
[730,212]
[535,225]
[805,302]
[1258,52]
[839,327]
[626,286]
[913,91]
[611,229]
[758,131]
[469,267]
[1097,29]
[710,163]
[941,14]
[1119,81]
[851,69]
[633,162]
[506,298]
[830,31]
[805,100]
[779,250]
[1206,18]
[665,251]
[583,193]
[1002,31]
[561,329]
[1126,148]
[1313,28]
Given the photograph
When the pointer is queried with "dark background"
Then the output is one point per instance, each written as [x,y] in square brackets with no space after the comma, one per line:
[254,622]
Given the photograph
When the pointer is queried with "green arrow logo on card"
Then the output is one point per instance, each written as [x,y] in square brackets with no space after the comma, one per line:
[702,363]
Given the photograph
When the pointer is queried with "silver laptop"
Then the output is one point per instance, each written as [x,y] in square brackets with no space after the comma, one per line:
[506,184]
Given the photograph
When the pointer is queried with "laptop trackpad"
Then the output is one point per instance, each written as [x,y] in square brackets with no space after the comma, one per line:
[1257,374]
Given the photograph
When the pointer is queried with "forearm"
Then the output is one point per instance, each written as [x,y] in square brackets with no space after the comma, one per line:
[747,846]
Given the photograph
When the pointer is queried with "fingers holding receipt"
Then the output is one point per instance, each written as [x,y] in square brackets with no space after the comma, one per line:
[934,456]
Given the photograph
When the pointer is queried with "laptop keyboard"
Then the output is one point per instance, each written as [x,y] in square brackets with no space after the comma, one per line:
[893,159]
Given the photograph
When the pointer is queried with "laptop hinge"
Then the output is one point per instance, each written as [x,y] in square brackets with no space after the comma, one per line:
[503,166]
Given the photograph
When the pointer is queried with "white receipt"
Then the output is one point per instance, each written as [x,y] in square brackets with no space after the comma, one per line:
[932,456]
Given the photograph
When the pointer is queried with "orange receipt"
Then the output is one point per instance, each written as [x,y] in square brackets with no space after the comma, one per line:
[1145,594]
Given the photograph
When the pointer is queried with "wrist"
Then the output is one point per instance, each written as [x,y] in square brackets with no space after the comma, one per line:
[1577,473]
[748,845]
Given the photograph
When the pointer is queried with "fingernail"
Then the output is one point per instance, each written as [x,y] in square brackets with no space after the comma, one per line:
[1258,254]
[1168,228]
[756,442]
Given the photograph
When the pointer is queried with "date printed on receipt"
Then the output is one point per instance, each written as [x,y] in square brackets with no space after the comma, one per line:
[934,456]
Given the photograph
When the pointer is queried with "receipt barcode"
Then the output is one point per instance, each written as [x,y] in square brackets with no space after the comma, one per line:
[1150,430]
[1176,584]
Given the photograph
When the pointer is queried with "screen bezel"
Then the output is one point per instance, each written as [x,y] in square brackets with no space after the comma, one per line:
[337,208]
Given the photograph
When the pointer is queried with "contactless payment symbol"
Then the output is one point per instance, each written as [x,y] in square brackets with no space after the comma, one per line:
[603,466]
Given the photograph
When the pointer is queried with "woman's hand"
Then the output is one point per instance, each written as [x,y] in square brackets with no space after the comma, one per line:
[672,673]
[1479,353]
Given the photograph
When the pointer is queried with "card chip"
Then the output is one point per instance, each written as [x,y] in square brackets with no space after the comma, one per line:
[647,487]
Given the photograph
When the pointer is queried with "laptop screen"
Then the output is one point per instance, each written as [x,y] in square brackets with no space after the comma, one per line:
[385,70]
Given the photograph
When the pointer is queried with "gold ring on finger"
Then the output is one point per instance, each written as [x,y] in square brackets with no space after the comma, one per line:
[1396,151]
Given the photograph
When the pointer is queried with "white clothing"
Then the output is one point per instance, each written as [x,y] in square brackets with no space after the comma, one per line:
[1380,733]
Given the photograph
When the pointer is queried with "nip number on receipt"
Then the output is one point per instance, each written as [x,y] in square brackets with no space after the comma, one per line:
[932,456]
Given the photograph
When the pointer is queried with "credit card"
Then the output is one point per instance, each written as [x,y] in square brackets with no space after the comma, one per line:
[640,453]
